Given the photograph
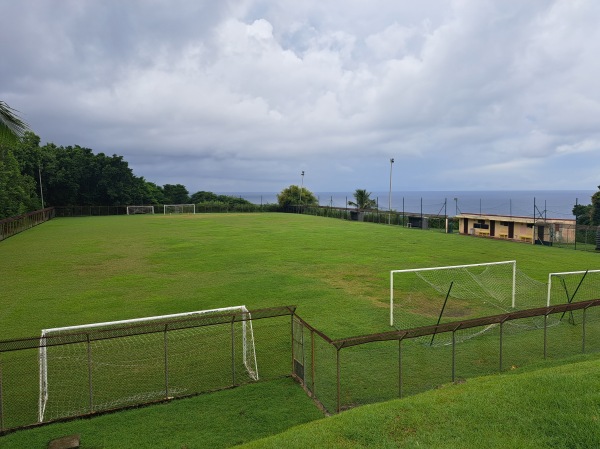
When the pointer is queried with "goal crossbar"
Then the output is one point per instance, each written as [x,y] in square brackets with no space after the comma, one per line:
[118,323]
[414,270]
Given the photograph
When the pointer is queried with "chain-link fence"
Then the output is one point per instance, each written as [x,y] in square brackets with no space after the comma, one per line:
[580,237]
[438,222]
[108,369]
[340,374]
[77,373]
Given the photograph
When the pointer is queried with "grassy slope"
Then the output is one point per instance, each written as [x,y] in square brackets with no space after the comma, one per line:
[555,407]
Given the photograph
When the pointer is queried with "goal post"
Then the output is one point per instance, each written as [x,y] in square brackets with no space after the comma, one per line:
[179,209]
[477,279]
[99,366]
[133,210]
[564,287]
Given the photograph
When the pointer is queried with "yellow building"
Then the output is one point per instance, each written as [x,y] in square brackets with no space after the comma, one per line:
[543,231]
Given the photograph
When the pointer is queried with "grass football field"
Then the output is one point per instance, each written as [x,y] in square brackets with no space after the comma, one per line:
[82,270]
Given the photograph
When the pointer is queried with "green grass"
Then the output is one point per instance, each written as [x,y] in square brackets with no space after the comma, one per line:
[81,270]
[212,420]
[555,408]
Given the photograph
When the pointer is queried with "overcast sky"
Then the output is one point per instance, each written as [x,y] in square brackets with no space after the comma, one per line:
[241,96]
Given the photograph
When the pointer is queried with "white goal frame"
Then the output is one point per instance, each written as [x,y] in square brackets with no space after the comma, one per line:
[131,209]
[565,273]
[249,357]
[413,270]
[182,206]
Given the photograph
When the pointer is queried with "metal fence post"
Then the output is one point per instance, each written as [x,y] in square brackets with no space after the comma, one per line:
[501,336]
[1,401]
[583,331]
[232,350]
[90,384]
[399,367]
[453,355]
[292,335]
[166,347]
[312,360]
[339,391]
[545,334]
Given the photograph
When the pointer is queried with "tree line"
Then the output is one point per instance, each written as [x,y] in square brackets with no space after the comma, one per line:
[34,176]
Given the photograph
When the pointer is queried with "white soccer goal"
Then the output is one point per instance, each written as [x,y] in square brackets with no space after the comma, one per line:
[424,292]
[179,209]
[102,366]
[570,286]
[133,210]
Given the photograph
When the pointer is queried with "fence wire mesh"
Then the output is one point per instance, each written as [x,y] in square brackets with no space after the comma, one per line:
[359,370]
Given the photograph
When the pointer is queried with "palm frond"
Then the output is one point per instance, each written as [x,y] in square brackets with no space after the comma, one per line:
[11,125]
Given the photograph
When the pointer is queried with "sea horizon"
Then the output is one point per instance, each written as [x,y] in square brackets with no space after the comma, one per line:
[544,203]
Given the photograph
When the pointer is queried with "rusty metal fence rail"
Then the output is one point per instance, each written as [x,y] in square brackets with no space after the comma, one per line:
[110,369]
[20,223]
[344,373]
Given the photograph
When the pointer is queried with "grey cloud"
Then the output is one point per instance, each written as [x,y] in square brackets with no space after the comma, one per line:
[188,88]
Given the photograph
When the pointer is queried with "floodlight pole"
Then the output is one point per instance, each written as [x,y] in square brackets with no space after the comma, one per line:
[390,197]
[301,187]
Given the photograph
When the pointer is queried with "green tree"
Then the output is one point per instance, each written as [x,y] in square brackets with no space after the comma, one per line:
[16,191]
[69,173]
[590,214]
[295,196]
[176,194]
[28,153]
[76,176]
[582,213]
[148,193]
[116,182]
[201,197]
[363,200]
[595,209]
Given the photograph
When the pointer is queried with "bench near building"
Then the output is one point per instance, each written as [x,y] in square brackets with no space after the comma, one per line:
[543,231]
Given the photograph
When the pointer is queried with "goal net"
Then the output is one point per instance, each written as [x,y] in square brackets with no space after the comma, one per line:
[429,296]
[132,210]
[104,366]
[474,289]
[570,286]
[179,209]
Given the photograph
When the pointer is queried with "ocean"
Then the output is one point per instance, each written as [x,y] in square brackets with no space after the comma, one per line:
[523,203]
